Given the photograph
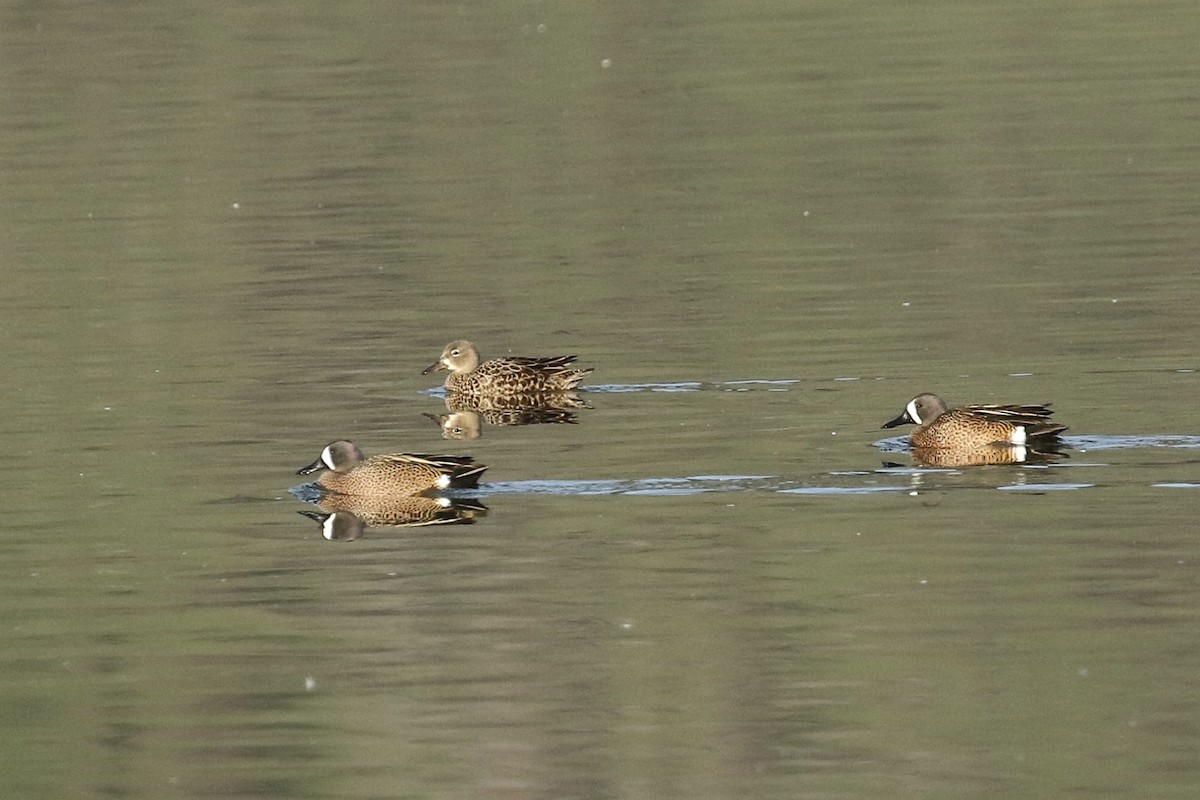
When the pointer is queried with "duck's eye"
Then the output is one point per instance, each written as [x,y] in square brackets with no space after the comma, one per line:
[455,352]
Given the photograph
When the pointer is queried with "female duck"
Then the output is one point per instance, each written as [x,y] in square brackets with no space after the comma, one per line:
[505,376]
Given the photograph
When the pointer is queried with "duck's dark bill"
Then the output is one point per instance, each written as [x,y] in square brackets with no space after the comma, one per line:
[311,468]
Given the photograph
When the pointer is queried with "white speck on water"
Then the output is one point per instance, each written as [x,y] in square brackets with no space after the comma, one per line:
[541,28]
[605,63]
[235,206]
[923,582]
[807,212]
[310,683]
[913,493]
[905,305]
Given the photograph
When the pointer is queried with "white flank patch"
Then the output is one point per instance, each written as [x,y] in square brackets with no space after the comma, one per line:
[327,526]
[442,481]
[443,502]
[327,457]
[911,408]
[1018,435]
[1019,453]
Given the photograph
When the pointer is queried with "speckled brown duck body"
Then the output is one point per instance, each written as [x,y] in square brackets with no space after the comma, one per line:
[969,427]
[347,471]
[985,455]
[501,404]
[506,376]
[467,413]
[345,517]
[469,424]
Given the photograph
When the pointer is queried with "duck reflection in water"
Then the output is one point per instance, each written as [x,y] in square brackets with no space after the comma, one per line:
[467,413]
[985,455]
[345,518]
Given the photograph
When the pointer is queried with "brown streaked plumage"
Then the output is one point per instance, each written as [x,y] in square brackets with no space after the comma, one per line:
[469,424]
[984,455]
[507,375]
[347,471]
[469,411]
[966,427]
[499,404]
[344,517]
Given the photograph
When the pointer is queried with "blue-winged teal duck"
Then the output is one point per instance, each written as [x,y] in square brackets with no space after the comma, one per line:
[505,376]
[965,427]
[347,471]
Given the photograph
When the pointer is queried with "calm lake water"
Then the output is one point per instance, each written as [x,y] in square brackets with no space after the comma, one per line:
[232,235]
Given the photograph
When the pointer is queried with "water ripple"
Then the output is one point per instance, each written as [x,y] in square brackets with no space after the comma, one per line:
[837,490]
[1044,487]
[1129,442]
[692,386]
[645,486]
[1083,443]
